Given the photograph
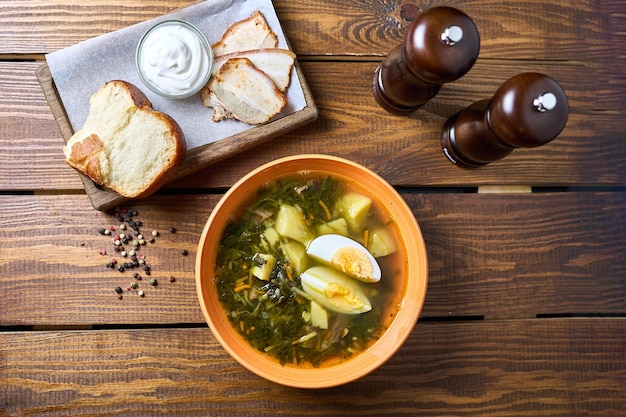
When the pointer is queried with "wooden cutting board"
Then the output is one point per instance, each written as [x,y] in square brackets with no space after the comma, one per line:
[197,158]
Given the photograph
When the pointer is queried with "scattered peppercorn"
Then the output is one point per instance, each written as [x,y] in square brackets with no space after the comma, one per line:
[127,222]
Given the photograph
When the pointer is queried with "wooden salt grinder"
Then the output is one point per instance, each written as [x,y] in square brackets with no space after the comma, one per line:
[528,110]
[441,45]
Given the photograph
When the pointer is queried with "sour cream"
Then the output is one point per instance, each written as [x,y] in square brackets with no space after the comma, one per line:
[174,59]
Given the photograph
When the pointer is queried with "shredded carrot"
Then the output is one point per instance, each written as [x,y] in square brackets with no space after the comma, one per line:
[244,267]
[325,207]
[241,325]
[242,287]
[289,273]
[366,236]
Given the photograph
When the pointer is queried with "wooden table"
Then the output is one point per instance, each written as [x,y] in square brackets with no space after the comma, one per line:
[526,309]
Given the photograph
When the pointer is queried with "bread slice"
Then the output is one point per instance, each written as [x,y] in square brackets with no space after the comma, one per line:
[275,62]
[245,35]
[125,145]
[243,92]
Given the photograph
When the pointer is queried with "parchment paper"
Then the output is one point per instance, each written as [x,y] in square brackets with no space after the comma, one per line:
[80,70]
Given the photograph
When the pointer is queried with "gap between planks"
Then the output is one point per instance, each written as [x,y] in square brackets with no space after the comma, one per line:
[505,189]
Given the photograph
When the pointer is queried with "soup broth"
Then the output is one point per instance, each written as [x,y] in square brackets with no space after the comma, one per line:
[263,258]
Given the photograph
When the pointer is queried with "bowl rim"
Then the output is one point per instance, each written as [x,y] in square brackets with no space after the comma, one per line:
[363,363]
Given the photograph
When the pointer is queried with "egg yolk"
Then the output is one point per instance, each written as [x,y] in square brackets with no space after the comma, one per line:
[336,290]
[353,262]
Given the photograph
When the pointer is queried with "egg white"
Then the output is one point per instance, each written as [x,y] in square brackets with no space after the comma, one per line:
[345,255]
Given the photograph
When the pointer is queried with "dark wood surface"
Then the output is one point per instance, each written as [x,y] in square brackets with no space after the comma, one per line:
[526,307]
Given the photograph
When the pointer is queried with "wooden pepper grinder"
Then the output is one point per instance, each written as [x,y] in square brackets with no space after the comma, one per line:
[441,45]
[528,110]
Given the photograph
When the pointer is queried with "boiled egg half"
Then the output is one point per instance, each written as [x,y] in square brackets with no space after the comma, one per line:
[345,255]
[334,290]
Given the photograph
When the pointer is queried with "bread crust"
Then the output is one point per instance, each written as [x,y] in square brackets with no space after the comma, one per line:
[179,155]
[243,80]
[241,31]
[82,152]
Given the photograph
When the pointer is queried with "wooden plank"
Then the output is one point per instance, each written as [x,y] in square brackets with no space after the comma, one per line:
[523,253]
[560,367]
[489,254]
[45,26]
[350,119]
[361,29]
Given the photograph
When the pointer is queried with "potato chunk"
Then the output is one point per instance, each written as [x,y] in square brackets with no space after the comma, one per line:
[381,242]
[290,223]
[355,208]
[263,271]
[295,252]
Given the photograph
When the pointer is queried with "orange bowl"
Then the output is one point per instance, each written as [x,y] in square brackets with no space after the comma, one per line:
[410,306]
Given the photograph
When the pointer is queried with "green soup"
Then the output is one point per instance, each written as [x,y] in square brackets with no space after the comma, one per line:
[263,254]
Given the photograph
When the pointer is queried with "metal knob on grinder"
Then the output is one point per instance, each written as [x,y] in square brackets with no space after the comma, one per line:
[528,110]
[441,45]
